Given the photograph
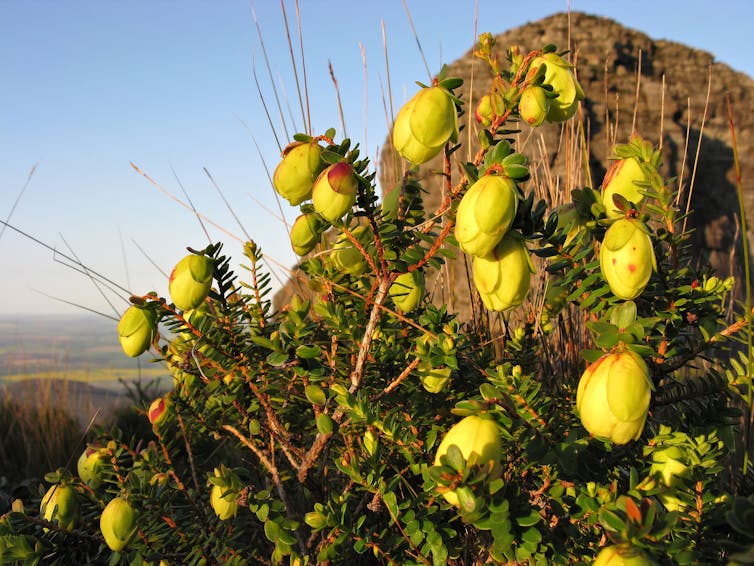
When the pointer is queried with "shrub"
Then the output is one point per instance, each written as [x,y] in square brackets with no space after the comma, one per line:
[314,434]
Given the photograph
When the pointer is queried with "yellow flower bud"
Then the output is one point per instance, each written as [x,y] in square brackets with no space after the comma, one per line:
[224,493]
[478,439]
[627,258]
[295,174]
[118,523]
[190,281]
[559,75]
[91,466]
[485,214]
[620,555]
[621,178]
[424,125]
[613,397]
[407,290]
[534,105]
[335,191]
[502,277]
[346,257]
[59,506]
[305,233]
[223,502]
[136,330]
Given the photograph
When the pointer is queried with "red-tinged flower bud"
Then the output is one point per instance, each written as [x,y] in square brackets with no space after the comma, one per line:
[613,397]
[483,112]
[485,214]
[295,174]
[158,412]
[407,290]
[559,75]
[534,105]
[622,179]
[136,330]
[345,256]
[59,506]
[305,233]
[627,258]
[424,125]
[118,523]
[478,439]
[92,465]
[191,281]
[335,191]
[502,277]
[621,555]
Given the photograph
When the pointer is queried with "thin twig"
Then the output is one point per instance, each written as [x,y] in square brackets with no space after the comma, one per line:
[190,453]
[149,259]
[69,258]
[337,96]
[636,95]
[269,70]
[184,205]
[18,198]
[698,146]
[91,276]
[191,204]
[416,37]
[303,68]
[273,471]
[227,204]
[293,62]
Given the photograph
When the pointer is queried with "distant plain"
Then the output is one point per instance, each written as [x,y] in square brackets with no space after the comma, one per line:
[74,362]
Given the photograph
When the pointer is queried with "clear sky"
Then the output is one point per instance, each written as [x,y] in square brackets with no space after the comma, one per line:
[89,86]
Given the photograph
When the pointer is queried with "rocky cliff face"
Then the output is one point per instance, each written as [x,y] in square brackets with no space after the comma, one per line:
[668,108]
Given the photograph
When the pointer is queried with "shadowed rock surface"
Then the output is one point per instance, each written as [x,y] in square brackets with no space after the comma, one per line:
[607,57]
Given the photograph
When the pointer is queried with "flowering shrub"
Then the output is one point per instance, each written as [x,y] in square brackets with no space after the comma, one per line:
[365,423]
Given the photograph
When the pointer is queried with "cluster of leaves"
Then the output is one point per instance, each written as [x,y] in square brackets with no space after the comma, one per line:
[322,415]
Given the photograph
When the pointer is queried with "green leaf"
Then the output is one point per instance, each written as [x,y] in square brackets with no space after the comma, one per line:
[277,359]
[451,83]
[532,536]
[391,502]
[466,499]
[624,315]
[324,423]
[611,521]
[308,352]
[330,157]
[517,172]
[315,395]
[454,458]
[529,520]
[489,392]
[271,530]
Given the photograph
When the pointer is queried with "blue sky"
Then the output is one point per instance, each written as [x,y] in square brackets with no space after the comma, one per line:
[90,86]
